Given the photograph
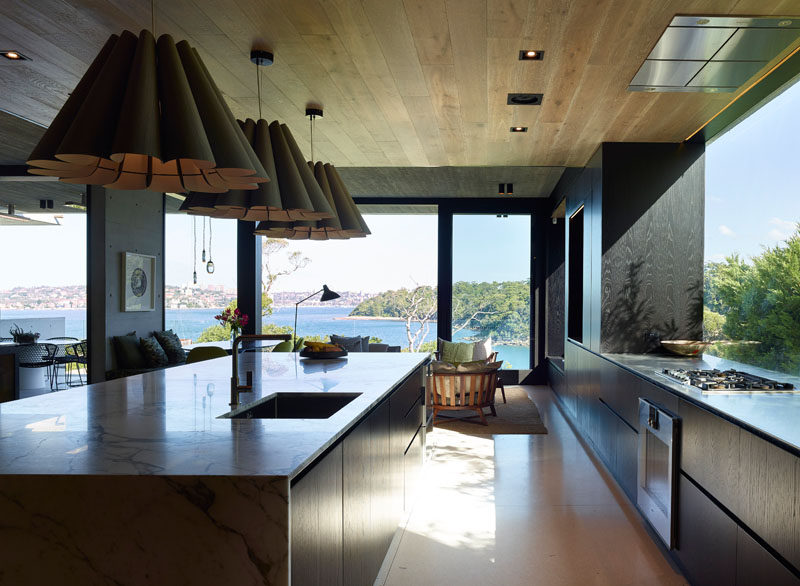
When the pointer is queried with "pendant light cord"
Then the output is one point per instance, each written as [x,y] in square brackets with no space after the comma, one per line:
[194,246]
[258,85]
[311,123]
[210,235]
[204,233]
[153,16]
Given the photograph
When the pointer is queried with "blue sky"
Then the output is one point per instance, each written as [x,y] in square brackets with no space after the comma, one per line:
[753,181]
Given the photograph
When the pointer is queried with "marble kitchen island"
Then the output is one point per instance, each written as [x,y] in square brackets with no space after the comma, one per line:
[138,480]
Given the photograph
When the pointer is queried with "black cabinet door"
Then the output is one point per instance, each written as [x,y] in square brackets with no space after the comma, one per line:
[706,538]
[316,503]
[710,453]
[755,566]
[627,460]
[357,507]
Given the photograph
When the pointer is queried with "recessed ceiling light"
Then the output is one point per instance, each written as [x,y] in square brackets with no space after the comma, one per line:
[14,55]
[784,23]
[703,21]
[524,99]
[531,55]
[519,129]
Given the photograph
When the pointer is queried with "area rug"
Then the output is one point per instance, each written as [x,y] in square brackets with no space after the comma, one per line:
[518,416]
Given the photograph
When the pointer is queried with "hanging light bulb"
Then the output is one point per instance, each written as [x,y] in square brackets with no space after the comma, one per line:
[194,251]
[210,263]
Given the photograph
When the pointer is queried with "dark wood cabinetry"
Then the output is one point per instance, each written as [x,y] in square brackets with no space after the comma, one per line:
[706,545]
[733,484]
[346,508]
[755,566]
[317,523]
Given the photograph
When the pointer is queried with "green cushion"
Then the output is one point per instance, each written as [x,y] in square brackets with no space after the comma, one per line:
[283,347]
[129,354]
[204,353]
[154,354]
[298,344]
[455,352]
[171,344]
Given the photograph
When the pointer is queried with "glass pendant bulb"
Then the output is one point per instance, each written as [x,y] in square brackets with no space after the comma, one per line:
[194,277]
[210,267]
[203,255]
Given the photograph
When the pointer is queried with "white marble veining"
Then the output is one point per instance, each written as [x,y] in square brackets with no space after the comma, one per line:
[167,422]
[773,415]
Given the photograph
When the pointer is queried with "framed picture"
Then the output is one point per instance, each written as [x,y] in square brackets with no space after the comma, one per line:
[138,282]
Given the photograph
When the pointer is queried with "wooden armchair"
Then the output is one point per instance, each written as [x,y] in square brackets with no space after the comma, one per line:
[459,391]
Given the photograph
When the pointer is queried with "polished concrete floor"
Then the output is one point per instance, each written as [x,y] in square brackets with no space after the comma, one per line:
[517,509]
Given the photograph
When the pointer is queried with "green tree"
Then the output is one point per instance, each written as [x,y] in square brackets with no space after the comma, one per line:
[761,305]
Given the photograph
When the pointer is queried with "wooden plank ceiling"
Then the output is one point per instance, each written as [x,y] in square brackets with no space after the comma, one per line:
[404,83]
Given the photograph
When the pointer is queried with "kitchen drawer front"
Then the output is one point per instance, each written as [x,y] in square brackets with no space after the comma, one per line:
[621,390]
[412,467]
[755,566]
[706,545]
[407,394]
[710,453]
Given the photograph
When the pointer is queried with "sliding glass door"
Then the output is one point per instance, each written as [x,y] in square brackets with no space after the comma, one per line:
[492,283]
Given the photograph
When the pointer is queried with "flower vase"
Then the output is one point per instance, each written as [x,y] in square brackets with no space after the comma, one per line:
[234,334]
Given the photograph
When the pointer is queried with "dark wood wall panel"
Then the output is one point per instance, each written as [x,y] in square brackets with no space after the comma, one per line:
[555,281]
[652,245]
[755,566]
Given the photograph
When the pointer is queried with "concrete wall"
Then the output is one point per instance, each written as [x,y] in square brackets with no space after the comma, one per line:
[120,221]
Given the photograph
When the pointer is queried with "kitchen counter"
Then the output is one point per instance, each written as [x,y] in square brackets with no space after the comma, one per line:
[773,416]
[138,480]
[166,422]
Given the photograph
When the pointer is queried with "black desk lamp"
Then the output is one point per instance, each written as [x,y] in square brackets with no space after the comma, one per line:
[327,295]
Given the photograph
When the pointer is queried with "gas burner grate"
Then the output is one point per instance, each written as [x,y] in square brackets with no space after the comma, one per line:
[710,381]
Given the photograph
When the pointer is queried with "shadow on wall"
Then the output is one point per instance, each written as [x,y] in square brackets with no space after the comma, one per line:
[629,325]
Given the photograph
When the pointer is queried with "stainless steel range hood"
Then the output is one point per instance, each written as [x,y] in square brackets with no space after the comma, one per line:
[713,53]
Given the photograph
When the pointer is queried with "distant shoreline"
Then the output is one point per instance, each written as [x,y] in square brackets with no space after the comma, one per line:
[368,318]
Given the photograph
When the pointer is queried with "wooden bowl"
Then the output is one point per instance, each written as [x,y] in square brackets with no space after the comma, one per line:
[685,347]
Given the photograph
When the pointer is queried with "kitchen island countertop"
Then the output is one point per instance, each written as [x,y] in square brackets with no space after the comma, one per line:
[167,422]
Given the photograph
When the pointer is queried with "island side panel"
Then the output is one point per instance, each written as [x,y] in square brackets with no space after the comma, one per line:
[143,529]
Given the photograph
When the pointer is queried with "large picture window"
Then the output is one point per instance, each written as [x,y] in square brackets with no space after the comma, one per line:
[752,243]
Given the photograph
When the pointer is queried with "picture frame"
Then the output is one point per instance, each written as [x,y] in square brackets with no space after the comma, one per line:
[138,282]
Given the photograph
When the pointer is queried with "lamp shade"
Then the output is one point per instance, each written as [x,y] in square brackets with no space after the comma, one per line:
[147,115]
[327,294]
[347,222]
[293,194]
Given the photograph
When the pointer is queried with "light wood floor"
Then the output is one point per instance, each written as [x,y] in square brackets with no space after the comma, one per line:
[521,509]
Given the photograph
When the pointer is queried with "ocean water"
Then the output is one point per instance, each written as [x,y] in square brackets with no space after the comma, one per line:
[319,320]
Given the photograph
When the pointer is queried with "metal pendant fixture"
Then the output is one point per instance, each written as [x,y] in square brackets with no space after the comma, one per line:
[293,193]
[147,115]
[347,221]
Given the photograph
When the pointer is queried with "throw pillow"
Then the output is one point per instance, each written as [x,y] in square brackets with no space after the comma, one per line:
[351,344]
[153,352]
[454,351]
[171,344]
[439,366]
[478,366]
[128,353]
[482,349]
[286,346]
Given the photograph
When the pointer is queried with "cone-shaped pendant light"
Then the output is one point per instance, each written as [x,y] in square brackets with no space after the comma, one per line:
[147,115]
[347,223]
[293,193]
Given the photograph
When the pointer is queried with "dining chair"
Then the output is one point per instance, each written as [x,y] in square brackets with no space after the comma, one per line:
[76,353]
[60,358]
[37,356]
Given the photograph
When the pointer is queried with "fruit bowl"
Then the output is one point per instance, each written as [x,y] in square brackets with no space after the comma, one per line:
[322,355]
[685,347]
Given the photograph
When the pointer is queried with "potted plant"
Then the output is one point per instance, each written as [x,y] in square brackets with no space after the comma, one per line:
[20,336]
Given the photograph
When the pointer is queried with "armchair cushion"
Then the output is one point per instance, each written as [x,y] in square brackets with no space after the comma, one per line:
[171,344]
[351,344]
[128,352]
[455,351]
[478,366]
[440,366]
[379,347]
[153,352]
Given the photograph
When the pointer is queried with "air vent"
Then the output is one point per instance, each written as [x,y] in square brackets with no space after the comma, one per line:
[713,53]
[524,99]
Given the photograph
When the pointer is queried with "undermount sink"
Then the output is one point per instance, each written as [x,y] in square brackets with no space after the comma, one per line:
[295,406]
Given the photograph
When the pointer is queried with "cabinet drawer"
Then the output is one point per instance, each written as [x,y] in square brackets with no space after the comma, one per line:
[755,566]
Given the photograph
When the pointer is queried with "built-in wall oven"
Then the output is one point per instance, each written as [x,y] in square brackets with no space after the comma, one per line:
[659,434]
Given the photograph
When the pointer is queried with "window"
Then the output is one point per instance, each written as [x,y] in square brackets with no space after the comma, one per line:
[575,284]
[752,246]
[190,307]
[386,283]
[492,283]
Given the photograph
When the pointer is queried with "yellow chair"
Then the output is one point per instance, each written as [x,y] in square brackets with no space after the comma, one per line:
[204,353]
